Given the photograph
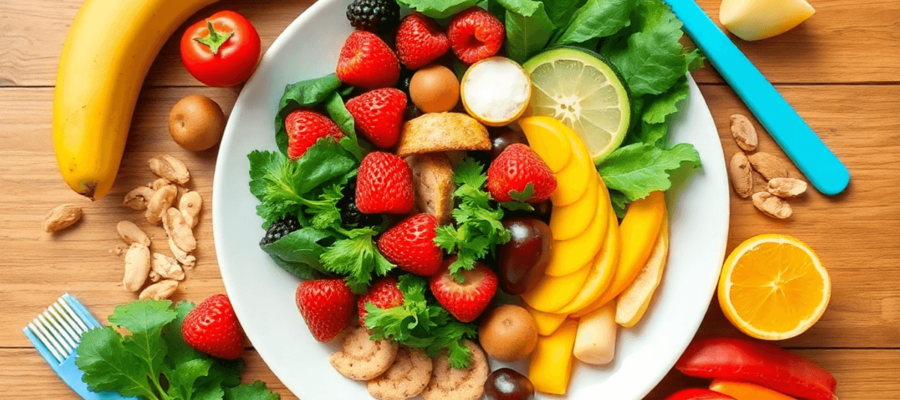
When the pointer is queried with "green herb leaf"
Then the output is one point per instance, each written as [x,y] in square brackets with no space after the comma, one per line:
[666,104]
[299,252]
[638,169]
[619,203]
[338,112]
[306,93]
[528,28]
[254,391]
[438,9]
[450,337]
[596,19]
[107,365]
[560,11]
[358,258]
[183,377]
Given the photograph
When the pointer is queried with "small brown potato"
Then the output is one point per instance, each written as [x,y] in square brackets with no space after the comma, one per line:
[508,333]
[196,123]
[434,89]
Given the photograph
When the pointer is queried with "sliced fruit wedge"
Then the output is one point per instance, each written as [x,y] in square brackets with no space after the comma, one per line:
[548,138]
[569,254]
[570,221]
[573,180]
[554,292]
[602,272]
[551,361]
[633,301]
[585,92]
[547,323]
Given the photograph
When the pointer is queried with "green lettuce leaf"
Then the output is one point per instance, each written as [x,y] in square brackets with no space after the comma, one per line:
[438,9]
[528,28]
[596,19]
[298,253]
[252,391]
[638,169]
[308,93]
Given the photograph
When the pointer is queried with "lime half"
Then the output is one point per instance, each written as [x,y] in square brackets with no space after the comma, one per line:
[583,91]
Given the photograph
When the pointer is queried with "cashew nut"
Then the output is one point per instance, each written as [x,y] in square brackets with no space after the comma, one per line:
[772,206]
[155,185]
[160,202]
[178,229]
[62,217]
[138,198]
[164,267]
[159,291]
[137,267]
[186,260]
[170,168]
[190,205]
[786,187]
[131,233]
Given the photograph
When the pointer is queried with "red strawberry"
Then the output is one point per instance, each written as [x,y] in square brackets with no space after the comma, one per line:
[213,328]
[304,128]
[475,34]
[368,62]
[379,114]
[410,245]
[384,185]
[467,300]
[520,174]
[383,293]
[420,41]
[327,307]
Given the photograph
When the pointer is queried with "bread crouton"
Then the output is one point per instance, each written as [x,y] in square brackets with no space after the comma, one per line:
[436,132]
[433,183]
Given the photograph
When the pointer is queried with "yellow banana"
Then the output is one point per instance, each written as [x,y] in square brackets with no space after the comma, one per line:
[107,54]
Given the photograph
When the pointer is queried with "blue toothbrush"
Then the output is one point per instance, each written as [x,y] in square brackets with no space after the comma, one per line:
[799,142]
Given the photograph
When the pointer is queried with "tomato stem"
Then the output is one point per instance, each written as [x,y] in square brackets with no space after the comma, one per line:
[215,39]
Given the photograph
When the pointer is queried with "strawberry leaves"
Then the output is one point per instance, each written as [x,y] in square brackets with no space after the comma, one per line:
[524,195]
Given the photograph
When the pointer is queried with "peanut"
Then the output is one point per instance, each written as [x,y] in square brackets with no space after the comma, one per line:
[741,175]
[787,187]
[159,291]
[155,185]
[772,206]
[744,133]
[186,260]
[178,229]
[137,267]
[768,165]
[190,205]
[170,168]
[138,198]
[160,202]
[166,268]
[62,217]
[130,233]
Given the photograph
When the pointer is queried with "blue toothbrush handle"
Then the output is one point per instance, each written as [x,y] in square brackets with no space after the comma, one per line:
[796,138]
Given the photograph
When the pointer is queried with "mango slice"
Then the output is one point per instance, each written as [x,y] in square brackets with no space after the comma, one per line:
[761,19]
[634,300]
[573,180]
[602,271]
[551,361]
[568,255]
[552,292]
[570,221]
[547,323]
[547,137]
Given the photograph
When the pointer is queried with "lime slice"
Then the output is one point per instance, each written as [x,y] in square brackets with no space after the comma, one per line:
[583,91]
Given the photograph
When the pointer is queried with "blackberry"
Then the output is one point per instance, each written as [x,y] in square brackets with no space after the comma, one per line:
[351,217]
[280,229]
[376,16]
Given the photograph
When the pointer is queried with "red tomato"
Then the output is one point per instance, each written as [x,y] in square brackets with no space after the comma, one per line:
[221,50]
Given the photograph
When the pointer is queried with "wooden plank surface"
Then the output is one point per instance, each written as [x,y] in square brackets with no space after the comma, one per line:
[839,70]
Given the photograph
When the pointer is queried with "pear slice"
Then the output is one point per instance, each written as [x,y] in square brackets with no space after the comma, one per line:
[761,19]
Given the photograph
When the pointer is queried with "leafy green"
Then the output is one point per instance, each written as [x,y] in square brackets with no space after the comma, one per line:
[666,104]
[358,258]
[308,93]
[478,227]
[153,355]
[596,19]
[298,253]
[640,168]
[334,106]
[528,28]
[438,9]
[421,325]
[253,391]
[560,11]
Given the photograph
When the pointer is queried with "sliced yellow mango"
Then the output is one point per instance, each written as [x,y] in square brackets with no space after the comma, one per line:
[602,271]
[762,19]
[554,292]
[547,137]
[595,339]
[573,180]
[570,221]
[551,361]
[633,301]
[547,323]
[569,255]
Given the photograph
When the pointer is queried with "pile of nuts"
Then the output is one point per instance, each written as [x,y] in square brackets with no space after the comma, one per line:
[165,201]
[761,175]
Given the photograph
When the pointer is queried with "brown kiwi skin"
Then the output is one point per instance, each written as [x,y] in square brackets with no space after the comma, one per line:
[508,333]
[196,123]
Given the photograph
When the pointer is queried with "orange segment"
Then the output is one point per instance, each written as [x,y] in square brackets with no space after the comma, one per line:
[773,287]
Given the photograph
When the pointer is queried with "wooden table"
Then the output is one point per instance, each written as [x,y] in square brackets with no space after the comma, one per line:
[839,70]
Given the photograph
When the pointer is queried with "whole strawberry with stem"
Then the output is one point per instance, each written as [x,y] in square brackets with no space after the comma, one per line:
[410,245]
[384,185]
[304,127]
[327,306]
[465,299]
[378,115]
[383,293]
[520,174]
[420,41]
[366,61]
[475,34]
[213,328]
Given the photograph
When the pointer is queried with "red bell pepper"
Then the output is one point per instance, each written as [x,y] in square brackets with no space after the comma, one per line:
[698,394]
[760,363]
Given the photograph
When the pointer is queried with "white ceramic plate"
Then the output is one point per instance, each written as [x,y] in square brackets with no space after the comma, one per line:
[263,294]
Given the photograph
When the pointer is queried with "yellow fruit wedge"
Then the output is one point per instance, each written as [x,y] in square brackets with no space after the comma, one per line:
[572,220]
[547,323]
[573,180]
[569,255]
[773,287]
[595,339]
[633,301]
[547,137]
[554,292]
[551,361]
[603,269]
[762,19]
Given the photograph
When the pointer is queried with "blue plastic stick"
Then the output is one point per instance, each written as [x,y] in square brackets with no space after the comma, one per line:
[800,143]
